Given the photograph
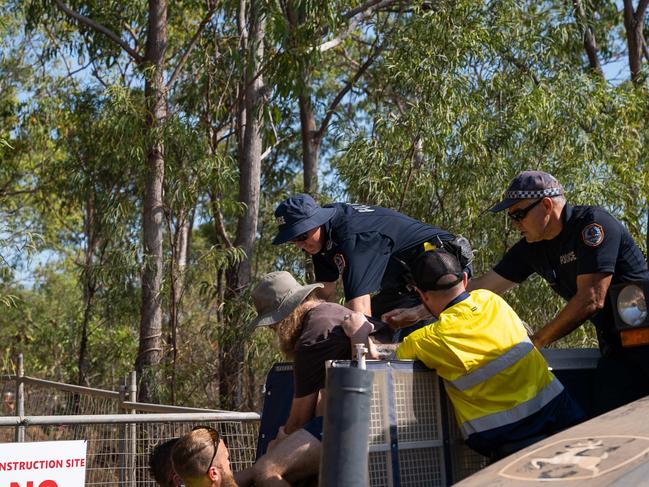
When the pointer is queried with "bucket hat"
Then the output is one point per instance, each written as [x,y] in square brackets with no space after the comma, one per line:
[297,215]
[526,185]
[277,295]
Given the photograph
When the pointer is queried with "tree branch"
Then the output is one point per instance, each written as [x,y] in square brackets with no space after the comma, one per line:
[520,65]
[190,47]
[348,86]
[590,45]
[366,10]
[133,34]
[645,51]
[369,5]
[99,28]
[219,226]
[267,152]
[640,11]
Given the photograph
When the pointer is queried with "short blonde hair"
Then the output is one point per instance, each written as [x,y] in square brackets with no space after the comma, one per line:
[193,453]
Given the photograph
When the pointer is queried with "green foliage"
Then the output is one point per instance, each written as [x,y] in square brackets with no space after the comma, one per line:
[463,95]
[475,113]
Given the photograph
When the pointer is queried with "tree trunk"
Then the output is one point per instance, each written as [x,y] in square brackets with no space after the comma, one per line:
[250,157]
[89,290]
[250,149]
[150,350]
[179,256]
[310,144]
[633,23]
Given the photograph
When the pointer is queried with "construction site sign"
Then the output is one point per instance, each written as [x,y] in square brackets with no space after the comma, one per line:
[43,464]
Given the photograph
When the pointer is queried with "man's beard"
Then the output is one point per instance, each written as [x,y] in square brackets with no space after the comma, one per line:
[227,480]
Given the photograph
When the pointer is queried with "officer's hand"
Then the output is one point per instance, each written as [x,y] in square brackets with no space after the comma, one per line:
[402,317]
[537,341]
[355,323]
[281,434]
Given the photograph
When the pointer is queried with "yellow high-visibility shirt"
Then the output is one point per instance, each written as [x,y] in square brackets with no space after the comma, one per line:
[493,374]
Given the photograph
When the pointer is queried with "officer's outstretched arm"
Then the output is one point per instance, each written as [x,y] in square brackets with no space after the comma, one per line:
[402,317]
[590,297]
[362,304]
[492,281]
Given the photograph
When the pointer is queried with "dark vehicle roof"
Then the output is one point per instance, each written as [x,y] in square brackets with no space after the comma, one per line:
[609,450]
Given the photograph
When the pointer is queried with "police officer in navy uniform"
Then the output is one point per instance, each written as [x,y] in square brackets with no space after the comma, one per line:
[369,246]
[580,251]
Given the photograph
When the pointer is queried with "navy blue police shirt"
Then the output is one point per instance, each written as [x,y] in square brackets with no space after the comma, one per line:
[590,241]
[360,243]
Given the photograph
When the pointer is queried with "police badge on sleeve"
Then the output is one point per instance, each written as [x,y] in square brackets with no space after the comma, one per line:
[593,234]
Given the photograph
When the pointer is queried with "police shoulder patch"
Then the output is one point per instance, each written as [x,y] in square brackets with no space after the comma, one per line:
[339,261]
[593,234]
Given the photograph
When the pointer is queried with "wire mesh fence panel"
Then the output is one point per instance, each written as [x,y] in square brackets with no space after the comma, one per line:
[105,455]
[378,432]
[118,454]
[465,461]
[378,469]
[40,401]
[405,434]
[8,396]
[52,399]
[378,418]
[421,466]
[7,434]
[239,436]
[417,406]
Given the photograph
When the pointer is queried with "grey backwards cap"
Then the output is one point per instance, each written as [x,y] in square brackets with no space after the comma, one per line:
[529,184]
[277,295]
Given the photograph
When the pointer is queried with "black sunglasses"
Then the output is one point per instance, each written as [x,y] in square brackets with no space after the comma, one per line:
[216,438]
[301,237]
[518,215]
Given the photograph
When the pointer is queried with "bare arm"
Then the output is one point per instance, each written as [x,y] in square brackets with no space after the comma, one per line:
[302,411]
[358,329]
[362,304]
[401,317]
[328,292]
[492,281]
[590,297]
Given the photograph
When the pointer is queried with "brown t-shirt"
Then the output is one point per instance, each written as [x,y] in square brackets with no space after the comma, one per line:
[322,339]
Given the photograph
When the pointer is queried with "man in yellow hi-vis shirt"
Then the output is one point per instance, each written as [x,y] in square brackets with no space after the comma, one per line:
[499,384]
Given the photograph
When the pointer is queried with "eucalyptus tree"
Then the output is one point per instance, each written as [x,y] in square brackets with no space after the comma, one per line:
[135,39]
[635,28]
[18,237]
[468,95]
[324,49]
[95,180]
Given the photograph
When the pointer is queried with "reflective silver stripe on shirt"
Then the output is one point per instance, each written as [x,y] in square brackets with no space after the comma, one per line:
[506,360]
[522,411]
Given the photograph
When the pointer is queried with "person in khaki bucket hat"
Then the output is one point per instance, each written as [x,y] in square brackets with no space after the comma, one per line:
[310,331]
[277,295]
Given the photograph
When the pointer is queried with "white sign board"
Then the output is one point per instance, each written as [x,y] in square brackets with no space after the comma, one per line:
[43,464]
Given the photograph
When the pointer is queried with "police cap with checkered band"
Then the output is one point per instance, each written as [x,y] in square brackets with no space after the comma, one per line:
[529,185]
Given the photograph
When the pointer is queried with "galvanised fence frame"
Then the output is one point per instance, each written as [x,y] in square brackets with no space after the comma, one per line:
[120,432]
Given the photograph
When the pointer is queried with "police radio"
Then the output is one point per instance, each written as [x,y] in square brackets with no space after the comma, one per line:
[629,302]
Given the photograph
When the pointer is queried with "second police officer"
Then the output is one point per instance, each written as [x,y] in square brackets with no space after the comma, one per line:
[580,251]
[370,247]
